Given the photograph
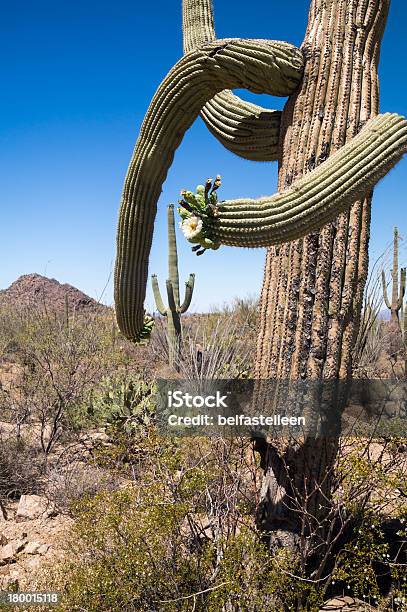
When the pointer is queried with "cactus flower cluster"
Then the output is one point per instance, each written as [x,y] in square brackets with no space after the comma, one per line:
[194,208]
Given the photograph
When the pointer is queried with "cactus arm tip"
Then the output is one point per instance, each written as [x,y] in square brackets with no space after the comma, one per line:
[157,296]
[189,290]
[144,335]
[402,288]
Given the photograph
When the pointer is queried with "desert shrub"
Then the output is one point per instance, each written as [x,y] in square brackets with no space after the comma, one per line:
[59,365]
[139,559]
[20,469]
[10,324]
[67,484]
[371,478]
[367,555]
[182,535]
[220,344]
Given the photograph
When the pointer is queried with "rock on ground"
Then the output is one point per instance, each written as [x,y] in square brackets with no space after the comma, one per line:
[346,604]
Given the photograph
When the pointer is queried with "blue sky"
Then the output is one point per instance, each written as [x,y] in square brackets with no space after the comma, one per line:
[77,78]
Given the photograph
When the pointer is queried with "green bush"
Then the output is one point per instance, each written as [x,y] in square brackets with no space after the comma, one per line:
[179,537]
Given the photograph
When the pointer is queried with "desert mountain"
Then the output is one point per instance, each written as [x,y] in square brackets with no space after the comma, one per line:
[34,290]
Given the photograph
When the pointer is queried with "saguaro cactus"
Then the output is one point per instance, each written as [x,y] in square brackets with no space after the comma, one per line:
[395,305]
[261,66]
[175,309]
[331,147]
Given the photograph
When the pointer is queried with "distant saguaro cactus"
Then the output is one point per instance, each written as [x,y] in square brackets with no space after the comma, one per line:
[175,308]
[397,294]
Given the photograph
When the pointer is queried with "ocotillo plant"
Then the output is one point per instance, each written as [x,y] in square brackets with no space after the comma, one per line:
[175,309]
[395,305]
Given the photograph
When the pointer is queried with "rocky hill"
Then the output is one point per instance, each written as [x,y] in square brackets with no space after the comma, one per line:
[36,291]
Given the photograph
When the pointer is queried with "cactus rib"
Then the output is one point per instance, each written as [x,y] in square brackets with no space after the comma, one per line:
[246,129]
[318,197]
[259,66]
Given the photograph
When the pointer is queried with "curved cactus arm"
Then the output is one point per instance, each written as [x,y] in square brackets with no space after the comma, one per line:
[248,130]
[189,290]
[260,66]
[245,129]
[402,289]
[157,296]
[172,305]
[385,294]
[317,198]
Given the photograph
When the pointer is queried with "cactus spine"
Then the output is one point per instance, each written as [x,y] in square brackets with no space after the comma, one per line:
[175,308]
[395,305]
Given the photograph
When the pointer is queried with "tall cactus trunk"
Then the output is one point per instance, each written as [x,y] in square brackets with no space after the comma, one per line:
[174,332]
[312,291]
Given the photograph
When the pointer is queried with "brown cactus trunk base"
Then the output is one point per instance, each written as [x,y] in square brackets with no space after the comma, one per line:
[312,292]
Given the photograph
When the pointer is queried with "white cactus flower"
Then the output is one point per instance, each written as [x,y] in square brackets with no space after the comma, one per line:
[191,227]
